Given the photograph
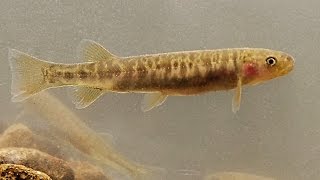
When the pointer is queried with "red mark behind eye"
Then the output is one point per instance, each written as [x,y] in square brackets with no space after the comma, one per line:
[250,69]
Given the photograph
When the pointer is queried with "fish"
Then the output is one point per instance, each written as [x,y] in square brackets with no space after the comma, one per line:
[158,76]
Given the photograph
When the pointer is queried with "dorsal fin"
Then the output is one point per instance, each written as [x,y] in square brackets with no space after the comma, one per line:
[91,51]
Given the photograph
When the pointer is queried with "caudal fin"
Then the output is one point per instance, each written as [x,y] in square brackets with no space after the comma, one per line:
[27,75]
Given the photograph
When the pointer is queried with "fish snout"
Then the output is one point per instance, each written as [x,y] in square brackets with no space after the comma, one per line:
[289,63]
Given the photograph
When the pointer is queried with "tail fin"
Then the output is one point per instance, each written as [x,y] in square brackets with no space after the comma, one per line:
[27,75]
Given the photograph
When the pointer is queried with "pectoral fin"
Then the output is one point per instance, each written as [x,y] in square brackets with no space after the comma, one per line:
[152,100]
[237,96]
[84,96]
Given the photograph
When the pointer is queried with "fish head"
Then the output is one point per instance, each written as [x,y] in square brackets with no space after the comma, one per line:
[259,65]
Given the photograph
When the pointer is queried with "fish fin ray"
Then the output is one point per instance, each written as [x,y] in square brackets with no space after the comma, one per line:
[91,51]
[237,96]
[27,75]
[82,97]
[152,100]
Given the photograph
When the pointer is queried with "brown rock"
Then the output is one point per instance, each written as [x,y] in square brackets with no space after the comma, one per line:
[85,170]
[19,135]
[37,160]
[13,172]
[71,128]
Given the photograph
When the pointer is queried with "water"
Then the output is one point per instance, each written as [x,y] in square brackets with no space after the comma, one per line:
[275,133]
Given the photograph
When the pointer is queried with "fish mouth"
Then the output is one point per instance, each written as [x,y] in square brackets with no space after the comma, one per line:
[286,70]
[290,67]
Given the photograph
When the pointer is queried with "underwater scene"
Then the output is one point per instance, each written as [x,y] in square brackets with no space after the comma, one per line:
[159,90]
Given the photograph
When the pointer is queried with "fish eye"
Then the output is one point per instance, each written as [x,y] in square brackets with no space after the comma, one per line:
[271,61]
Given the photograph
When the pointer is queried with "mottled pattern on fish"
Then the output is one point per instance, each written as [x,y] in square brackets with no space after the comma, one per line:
[181,73]
[172,73]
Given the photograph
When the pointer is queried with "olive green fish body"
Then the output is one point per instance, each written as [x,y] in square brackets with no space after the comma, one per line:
[158,75]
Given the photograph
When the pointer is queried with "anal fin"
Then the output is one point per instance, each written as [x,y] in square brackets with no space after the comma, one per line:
[237,96]
[84,96]
[152,100]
